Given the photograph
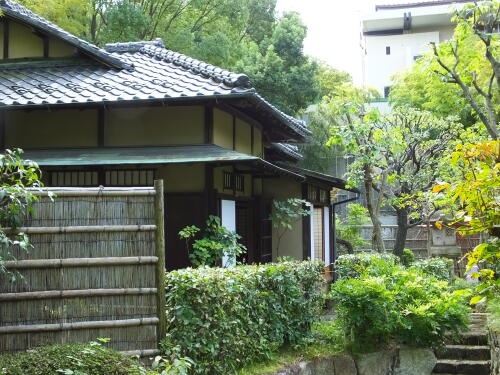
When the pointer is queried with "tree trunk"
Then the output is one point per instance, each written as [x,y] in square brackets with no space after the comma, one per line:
[373,210]
[402,231]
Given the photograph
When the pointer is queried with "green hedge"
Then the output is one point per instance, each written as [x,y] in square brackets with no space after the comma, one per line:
[225,318]
[406,306]
[353,266]
[76,359]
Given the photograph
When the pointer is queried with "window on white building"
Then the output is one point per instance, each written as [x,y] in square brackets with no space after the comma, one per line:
[388,50]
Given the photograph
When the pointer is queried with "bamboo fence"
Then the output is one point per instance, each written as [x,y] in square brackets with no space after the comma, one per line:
[95,269]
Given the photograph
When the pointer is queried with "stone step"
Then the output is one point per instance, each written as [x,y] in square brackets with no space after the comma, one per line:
[453,366]
[467,352]
[477,337]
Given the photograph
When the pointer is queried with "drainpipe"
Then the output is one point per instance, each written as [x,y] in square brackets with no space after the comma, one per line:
[332,209]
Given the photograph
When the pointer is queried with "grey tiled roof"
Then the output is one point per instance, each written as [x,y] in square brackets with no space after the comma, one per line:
[17,11]
[131,72]
[287,149]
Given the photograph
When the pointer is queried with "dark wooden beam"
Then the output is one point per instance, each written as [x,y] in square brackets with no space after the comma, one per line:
[101,124]
[45,40]
[234,132]
[209,192]
[252,139]
[6,32]
[306,229]
[209,124]
[2,130]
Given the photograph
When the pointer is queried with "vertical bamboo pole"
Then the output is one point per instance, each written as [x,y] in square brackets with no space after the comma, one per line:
[160,253]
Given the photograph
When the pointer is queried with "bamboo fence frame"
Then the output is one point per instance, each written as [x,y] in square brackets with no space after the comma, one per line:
[84,280]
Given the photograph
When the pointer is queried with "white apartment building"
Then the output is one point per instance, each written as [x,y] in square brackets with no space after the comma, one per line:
[395,35]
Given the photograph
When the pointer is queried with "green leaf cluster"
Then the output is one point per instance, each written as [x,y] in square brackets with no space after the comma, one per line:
[392,305]
[70,359]
[17,177]
[217,242]
[224,318]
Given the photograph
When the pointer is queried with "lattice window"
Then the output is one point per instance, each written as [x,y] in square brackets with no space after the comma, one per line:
[323,196]
[74,178]
[312,194]
[239,182]
[234,181]
[129,177]
[318,234]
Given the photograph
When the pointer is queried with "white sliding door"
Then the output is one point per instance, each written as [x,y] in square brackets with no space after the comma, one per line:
[228,220]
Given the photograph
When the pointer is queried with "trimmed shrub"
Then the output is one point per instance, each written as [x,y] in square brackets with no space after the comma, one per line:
[408,258]
[224,318]
[402,306]
[352,266]
[75,359]
[440,268]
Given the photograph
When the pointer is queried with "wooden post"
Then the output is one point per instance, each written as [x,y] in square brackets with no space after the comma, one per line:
[160,253]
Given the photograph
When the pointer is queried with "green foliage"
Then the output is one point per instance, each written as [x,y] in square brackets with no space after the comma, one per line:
[475,201]
[493,309]
[174,365]
[440,268]
[285,213]
[353,266]
[461,75]
[16,177]
[217,242]
[224,318]
[69,359]
[400,306]
[349,229]
[408,258]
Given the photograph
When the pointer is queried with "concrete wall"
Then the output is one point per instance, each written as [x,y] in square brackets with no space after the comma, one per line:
[23,43]
[281,189]
[380,67]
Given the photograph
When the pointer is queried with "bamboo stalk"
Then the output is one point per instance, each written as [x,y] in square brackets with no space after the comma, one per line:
[160,253]
[96,193]
[75,293]
[81,229]
[79,262]
[141,353]
[78,325]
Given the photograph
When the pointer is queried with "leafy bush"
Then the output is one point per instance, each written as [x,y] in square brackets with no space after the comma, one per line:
[440,268]
[408,257]
[354,265]
[224,318]
[493,309]
[69,359]
[16,200]
[217,242]
[401,306]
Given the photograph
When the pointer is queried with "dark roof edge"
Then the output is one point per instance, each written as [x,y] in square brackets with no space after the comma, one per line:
[331,180]
[21,13]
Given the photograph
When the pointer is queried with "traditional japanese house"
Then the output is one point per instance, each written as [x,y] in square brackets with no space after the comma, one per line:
[134,112]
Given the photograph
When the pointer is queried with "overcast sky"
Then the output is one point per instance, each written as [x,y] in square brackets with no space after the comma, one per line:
[333,30]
